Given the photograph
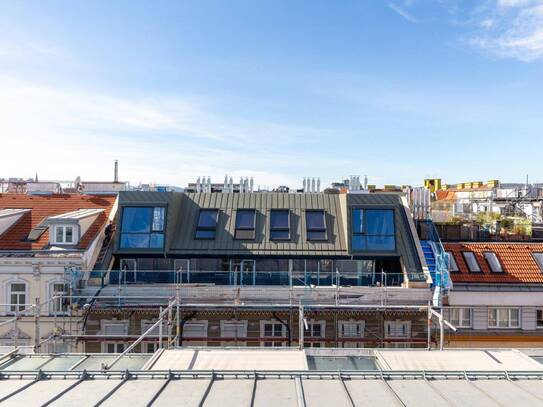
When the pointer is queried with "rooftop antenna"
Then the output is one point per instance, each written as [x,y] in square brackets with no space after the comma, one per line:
[116,171]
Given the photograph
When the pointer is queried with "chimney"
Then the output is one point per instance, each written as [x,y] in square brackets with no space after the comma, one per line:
[115,171]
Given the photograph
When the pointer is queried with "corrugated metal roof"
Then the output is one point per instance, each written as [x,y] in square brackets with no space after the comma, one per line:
[315,389]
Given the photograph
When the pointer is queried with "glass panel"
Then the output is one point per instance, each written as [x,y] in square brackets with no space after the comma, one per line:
[279,219]
[379,222]
[358,221]
[514,317]
[157,241]
[20,287]
[493,317]
[279,234]
[158,219]
[538,257]
[134,241]
[471,261]
[208,219]
[59,234]
[540,318]
[205,234]
[380,243]
[314,220]
[136,220]
[69,234]
[268,329]
[503,318]
[466,317]
[245,219]
[452,262]
[493,262]
[316,235]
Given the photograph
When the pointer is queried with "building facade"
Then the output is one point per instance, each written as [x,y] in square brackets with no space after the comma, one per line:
[250,269]
[497,299]
[48,244]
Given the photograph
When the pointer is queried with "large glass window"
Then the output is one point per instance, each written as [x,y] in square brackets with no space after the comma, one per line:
[493,262]
[279,224]
[373,230]
[315,225]
[245,224]
[142,228]
[503,318]
[471,261]
[207,224]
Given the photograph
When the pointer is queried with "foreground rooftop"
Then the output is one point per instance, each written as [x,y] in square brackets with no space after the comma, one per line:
[285,377]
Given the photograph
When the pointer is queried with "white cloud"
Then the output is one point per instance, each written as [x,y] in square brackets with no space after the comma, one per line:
[515,31]
[61,132]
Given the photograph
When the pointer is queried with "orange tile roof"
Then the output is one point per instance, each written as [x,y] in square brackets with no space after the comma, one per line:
[516,259]
[43,206]
[445,195]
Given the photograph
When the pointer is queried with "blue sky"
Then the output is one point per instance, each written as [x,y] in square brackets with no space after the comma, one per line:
[399,90]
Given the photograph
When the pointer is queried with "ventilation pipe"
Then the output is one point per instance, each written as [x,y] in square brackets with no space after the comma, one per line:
[231,184]
[318,185]
[198,184]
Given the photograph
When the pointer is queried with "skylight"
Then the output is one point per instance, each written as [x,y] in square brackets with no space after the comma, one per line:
[315,225]
[493,262]
[207,224]
[453,267]
[245,224]
[471,261]
[538,257]
[279,224]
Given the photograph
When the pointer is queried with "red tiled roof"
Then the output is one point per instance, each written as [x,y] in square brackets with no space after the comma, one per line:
[516,259]
[44,206]
[445,195]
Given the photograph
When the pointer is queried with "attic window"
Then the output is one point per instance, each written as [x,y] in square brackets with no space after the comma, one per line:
[207,224]
[538,257]
[315,225]
[279,224]
[493,262]
[453,267]
[245,224]
[64,234]
[471,261]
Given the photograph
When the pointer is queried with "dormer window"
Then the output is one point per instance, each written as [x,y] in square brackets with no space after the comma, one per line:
[64,234]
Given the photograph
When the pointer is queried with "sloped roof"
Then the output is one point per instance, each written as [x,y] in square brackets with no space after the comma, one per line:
[516,259]
[445,195]
[44,206]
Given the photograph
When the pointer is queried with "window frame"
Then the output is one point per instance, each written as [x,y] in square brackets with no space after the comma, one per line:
[489,263]
[207,228]
[239,230]
[538,258]
[538,318]
[498,311]
[153,232]
[64,229]
[311,324]
[364,232]
[361,328]
[465,257]
[461,317]
[18,307]
[279,229]
[64,308]
[398,321]
[309,230]
[452,260]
